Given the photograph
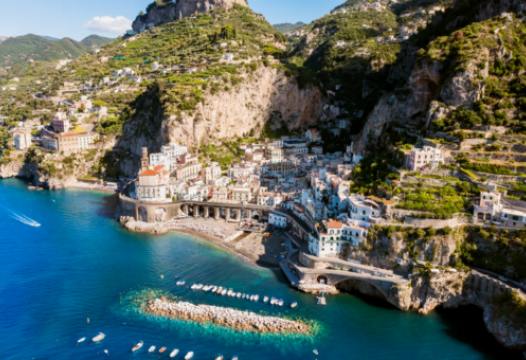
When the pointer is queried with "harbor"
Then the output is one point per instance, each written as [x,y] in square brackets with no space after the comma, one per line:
[81,264]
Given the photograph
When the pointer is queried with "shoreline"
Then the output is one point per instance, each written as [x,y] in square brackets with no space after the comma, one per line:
[230,242]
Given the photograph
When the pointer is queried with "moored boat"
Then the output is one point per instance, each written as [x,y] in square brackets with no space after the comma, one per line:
[189,355]
[137,346]
[81,340]
[99,337]
[162,350]
[322,300]
[152,349]
[219,357]
[174,353]
[294,305]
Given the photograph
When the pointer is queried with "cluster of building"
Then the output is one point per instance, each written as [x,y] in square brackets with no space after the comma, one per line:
[291,174]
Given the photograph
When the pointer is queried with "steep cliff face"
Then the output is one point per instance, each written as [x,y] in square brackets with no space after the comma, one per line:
[450,71]
[246,108]
[263,96]
[170,11]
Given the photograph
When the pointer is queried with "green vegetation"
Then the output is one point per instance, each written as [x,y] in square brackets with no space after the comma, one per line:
[440,202]
[21,49]
[497,250]
[511,306]
[289,27]
[227,153]
[475,47]
[346,56]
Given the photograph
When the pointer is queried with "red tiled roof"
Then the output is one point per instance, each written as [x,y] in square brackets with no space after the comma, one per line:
[334,224]
[152,172]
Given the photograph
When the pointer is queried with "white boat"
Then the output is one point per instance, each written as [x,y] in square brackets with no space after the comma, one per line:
[265,299]
[235,358]
[137,346]
[322,300]
[151,349]
[189,355]
[162,350]
[316,352]
[81,340]
[99,337]
[174,353]
[220,357]
[180,283]
[294,305]
[106,351]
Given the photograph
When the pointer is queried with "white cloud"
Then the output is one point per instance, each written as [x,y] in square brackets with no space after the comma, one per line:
[109,24]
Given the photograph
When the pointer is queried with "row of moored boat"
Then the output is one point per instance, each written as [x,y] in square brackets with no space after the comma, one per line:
[221,291]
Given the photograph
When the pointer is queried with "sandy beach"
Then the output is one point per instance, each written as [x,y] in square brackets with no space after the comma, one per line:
[255,248]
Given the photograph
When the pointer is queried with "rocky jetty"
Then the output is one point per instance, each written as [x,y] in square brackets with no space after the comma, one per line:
[225,317]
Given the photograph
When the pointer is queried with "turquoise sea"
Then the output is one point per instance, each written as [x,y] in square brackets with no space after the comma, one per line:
[80,264]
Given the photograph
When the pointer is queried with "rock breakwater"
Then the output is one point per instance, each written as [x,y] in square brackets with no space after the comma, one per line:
[226,317]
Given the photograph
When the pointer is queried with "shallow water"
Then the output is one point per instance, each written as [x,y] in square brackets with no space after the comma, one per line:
[80,264]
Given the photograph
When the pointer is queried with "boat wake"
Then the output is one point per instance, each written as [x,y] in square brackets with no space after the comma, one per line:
[25,220]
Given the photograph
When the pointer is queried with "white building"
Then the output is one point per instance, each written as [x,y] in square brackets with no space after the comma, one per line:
[425,157]
[493,208]
[334,236]
[212,173]
[153,184]
[22,138]
[363,209]
[61,123]
[277,220]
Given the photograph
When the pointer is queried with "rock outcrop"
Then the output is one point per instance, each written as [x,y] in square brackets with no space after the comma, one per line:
[433,82]
[264,95]
[161,14]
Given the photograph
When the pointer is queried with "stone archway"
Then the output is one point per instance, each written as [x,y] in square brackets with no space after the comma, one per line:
[322,279]
[143,214]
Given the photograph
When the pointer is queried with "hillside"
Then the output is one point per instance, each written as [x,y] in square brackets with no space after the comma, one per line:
[289,27]
[22,49]
[94,42]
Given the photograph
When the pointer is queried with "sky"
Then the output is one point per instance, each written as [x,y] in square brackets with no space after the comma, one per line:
[80,18]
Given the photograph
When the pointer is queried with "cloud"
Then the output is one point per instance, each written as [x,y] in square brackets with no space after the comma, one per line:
[109,24]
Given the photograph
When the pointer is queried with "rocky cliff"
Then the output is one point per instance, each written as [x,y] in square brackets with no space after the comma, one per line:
[167,11]
[266,95]
[444,78]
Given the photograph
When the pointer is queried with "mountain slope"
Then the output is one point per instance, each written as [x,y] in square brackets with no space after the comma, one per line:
[22,49]
[95,41]
[289,27]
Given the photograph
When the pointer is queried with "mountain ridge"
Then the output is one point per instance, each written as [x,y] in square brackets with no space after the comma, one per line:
[32,47]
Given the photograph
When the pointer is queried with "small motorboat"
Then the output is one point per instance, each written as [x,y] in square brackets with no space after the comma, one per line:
[294,305]
[152,349]
[316,352]
[235,358]
[162,276]
[174,353]
[180,283]
[99,337]
[81,340]
[189,355]
[137,346]
[106,351]
[322,300]
[220,357]
[162,350]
